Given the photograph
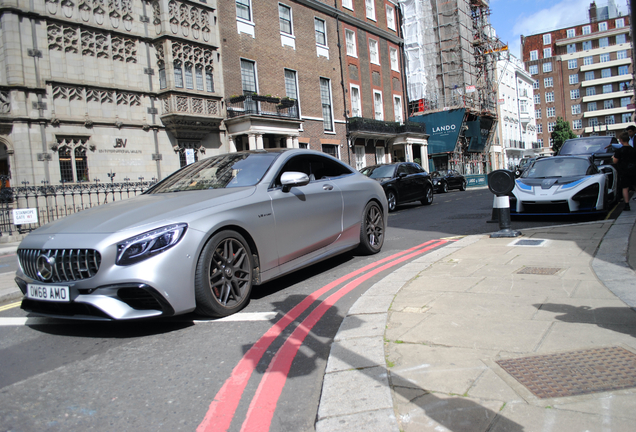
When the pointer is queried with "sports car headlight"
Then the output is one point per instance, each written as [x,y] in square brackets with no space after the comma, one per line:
[149,244]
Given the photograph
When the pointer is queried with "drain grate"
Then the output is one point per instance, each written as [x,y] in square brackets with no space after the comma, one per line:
[546,271]
[574,373]
[526,242]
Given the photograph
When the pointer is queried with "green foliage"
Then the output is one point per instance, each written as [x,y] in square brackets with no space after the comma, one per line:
[560,134]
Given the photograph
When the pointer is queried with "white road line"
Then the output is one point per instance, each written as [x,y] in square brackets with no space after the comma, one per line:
[239,317]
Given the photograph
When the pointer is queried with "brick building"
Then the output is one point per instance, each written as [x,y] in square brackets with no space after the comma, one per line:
[583,74]
[304,73]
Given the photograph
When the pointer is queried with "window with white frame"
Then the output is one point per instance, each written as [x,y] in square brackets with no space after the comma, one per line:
[576,109]
[587,45]
[535,85]
[577,124]
[551,126]
[571,48]
[352,46]
[397,109]
[621,39]
[603,42]
[589,75]
[592,122]
[547,67]
[540,142]
[390,17]
[591,106]
[572,64]
[574,79]
[607,88]
[547,39]
[534,55]
[348,4]
[291,88]
[537,98]
[533,69]
[321,32]
[620,22]
[547,52]
[537,113]
[356,103]
[608,104]
[380,155]
[395,65]
[360,159]
[588,60]
[548,82]
[549,97]
[625,101]
[590,91]
[622,54]
[325,100]
[377,105]
[606,73]
[574,94]
[370,7]
[540,128]
[374,55]
[602,26]
[244,9]
[285,19]
[571,33]
[550,112]
[248,76]
[587,30]
[626,118]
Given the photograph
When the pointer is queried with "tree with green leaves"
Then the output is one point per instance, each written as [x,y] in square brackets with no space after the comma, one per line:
[560,134]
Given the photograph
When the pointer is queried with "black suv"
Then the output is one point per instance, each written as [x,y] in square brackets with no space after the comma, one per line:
[402,182]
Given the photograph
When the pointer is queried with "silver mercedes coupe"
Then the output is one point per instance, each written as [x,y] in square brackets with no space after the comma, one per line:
[202,238]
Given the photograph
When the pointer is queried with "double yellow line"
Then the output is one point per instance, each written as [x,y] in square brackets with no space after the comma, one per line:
[10,306]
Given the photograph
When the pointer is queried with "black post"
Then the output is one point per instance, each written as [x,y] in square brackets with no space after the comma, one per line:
[501,183]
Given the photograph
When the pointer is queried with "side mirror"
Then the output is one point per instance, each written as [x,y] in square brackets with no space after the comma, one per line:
[292,179]
[402,175]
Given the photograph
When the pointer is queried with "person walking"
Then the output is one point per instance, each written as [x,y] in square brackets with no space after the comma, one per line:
[625,160]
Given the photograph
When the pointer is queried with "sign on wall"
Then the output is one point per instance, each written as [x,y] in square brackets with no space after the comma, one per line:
[25,216]
[189,154]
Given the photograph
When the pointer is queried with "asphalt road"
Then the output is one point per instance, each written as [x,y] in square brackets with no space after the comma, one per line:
[168,375]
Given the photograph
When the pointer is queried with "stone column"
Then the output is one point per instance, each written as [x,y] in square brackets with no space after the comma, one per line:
[232,144]
[252,141]
[408,152]
[289,142]
[259,142]
[295,142]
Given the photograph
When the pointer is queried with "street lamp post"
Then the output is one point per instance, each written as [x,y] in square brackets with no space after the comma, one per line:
[111,175]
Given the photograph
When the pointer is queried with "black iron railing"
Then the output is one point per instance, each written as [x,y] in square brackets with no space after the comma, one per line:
[52,202]
[361,124]
[252,104]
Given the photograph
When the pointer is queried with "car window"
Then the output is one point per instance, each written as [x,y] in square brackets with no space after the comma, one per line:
[559,167]
[315,166]
[413,169]
[218,172]
[402,169]
[583,146]
[379,171]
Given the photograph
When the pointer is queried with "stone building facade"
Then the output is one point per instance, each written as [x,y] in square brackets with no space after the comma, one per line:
[90,90]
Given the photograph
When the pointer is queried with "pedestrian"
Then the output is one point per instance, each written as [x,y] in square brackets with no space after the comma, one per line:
[625,160]
[631,131]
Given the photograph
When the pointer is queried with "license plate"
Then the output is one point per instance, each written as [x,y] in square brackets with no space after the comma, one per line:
[49,293]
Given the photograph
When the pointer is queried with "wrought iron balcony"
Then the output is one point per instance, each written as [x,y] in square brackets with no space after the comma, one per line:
[361,124]
[253,104]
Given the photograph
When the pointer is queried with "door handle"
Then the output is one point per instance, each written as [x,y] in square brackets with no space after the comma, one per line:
[327,187]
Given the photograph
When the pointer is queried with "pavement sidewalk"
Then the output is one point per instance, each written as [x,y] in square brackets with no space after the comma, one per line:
[494,335]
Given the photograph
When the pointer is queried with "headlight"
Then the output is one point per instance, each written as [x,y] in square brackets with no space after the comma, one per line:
[148,244]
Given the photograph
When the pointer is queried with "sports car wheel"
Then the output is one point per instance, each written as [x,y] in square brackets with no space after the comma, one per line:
[428,196]
[392,200]
[372,229]
[223,280]
[444,187]
[463,186]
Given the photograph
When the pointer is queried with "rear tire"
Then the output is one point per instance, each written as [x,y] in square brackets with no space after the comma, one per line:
[391,199]
[223,280]
[463,186]
[444,187]
[371,229]
[428,196]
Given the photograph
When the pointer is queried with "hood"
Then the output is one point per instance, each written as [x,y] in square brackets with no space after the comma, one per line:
[143,210]
[547,183]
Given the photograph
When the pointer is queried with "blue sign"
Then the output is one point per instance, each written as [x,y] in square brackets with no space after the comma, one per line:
[443,127]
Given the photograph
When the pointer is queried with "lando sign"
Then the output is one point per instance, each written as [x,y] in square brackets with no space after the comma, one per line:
[443,127]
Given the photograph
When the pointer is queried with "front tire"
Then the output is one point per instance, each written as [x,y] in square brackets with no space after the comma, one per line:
[223,280]
[371,229]
[444,187]
[428,196]
[391,199]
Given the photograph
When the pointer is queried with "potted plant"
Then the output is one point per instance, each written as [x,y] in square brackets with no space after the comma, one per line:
[237,98]
[287,102]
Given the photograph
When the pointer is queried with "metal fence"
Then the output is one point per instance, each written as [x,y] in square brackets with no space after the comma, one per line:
[51,202]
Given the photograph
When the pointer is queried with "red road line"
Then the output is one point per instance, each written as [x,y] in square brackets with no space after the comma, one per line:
[261,410]
[223,406]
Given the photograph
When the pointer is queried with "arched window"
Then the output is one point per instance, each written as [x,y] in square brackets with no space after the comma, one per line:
[178,74]
[189,82]
[198,71]
[209,79]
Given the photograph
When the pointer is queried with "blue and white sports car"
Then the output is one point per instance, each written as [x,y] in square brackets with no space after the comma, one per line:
[564,184]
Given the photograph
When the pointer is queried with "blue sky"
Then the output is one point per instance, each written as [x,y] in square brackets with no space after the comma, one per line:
[513,18]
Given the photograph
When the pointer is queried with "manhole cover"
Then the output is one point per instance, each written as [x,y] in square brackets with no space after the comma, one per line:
[574,373]
[529,242]
[547,271]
